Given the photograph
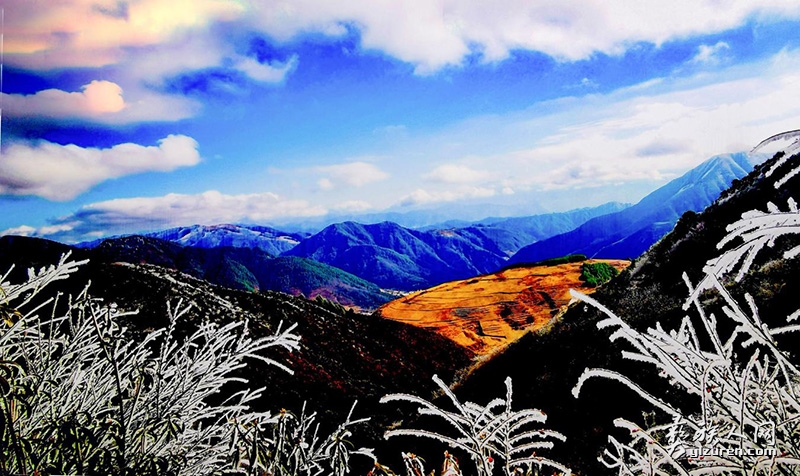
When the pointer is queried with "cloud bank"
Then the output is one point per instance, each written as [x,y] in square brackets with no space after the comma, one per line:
[429,34]
[352,174]
[62,172]
[98,101]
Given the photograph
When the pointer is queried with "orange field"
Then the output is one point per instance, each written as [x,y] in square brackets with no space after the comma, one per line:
[491,311]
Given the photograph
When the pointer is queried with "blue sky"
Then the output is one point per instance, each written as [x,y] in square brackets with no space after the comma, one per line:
[124,116]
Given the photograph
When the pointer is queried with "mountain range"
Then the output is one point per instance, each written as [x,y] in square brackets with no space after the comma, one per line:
[264,238]
[629,232]
[396,257]
[401,258]
[242,268]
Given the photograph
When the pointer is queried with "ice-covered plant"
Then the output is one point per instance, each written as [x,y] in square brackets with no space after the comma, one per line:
[747,388]
[291,445]
[786,153]
[489,433]
[79,396]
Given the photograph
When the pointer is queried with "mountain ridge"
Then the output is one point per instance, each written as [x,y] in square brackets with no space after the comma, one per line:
[246,269]
[629,232]
[401,258]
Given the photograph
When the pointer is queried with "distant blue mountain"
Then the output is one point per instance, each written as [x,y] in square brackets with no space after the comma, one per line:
[401,258]
[264,238]
[384,253]
[511,234]
[630,232]
[396,257]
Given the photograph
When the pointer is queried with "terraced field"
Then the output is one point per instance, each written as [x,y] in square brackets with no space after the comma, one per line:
[489,312]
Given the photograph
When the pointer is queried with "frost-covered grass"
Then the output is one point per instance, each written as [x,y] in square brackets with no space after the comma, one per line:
[79,396]
[491,435]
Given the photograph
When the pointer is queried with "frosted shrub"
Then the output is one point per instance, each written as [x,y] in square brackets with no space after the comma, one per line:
[290,445]
[490,434]
[79,396]
[748,391]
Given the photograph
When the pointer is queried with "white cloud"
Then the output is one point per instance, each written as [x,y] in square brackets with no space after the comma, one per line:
[710,54]
[22,230]
[453,173]
[92,33]
[352,174]
[95,99]
[98,101]
[62,172]
[265,72]
[48,230]
[353,206]
[430,34]
[629,140]
[187,51]
[424,197]
[434,34]
[207,207]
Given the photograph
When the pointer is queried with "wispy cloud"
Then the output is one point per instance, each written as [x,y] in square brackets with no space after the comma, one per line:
[62,172]
[454,173]
[650,132]
[435,34]
[98,101]
[352,206]
[710,54]
[352,174]
[425,197]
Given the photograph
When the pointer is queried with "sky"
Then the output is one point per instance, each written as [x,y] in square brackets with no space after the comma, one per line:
[126,116]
